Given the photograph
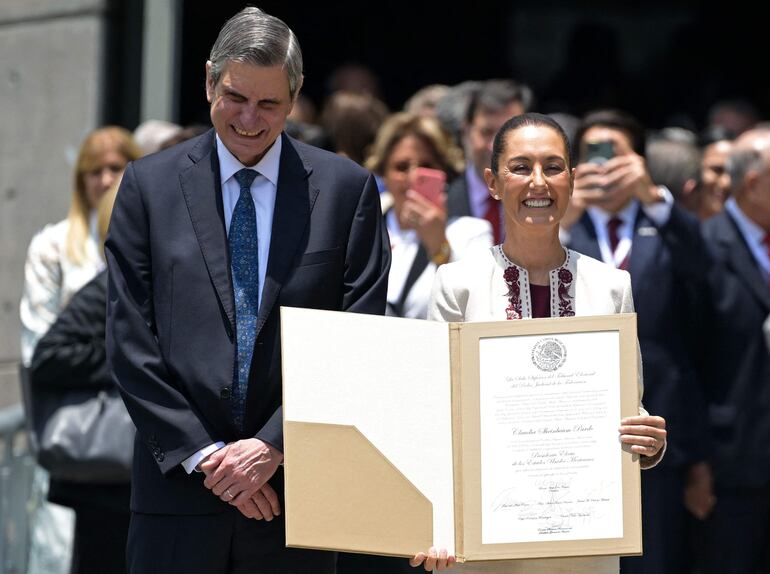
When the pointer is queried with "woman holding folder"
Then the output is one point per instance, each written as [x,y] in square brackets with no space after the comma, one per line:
[532,275]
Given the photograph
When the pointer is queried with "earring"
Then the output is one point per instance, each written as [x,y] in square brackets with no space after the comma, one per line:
[497,197]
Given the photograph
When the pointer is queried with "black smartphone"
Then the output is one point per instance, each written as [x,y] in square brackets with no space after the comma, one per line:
[598,151]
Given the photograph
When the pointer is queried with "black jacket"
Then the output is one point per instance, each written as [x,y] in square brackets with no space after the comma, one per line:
[71,355]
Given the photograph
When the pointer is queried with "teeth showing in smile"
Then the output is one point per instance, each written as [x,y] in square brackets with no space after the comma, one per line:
[538,202]
[241,132]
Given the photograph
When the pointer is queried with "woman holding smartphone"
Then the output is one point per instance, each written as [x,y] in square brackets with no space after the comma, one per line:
[422,237]
[532,275]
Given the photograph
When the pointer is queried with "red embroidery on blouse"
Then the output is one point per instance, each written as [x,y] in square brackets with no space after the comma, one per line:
[513,311]
[565,302]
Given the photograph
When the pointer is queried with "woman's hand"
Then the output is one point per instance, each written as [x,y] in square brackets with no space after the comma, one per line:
[434,559]
[645,435]
[426,218]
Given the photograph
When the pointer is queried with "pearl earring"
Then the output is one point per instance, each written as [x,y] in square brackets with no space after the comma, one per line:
[497,197]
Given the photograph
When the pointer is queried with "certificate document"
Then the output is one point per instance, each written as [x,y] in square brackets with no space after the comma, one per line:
[550,459]
[494,440]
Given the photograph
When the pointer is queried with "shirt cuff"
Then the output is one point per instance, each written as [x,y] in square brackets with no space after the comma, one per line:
[660,211]
[190,464]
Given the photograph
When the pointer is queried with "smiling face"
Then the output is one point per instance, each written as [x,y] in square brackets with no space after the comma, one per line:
[249,106]
[533,178]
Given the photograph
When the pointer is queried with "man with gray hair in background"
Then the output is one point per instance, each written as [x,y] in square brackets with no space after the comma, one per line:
[208,239]
[737,533]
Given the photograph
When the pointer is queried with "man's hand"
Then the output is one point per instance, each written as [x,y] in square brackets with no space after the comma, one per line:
[699,496]
[628,175]
[238,472]
[264,505]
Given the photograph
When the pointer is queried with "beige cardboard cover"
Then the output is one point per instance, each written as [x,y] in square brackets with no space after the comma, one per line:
[359,503]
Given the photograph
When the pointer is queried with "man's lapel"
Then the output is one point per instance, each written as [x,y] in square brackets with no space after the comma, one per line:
[741,260]
[202,191]
[645,245]
[583,238]
[293,203]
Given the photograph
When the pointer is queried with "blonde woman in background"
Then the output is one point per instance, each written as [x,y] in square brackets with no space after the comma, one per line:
[64,256]
[61,259]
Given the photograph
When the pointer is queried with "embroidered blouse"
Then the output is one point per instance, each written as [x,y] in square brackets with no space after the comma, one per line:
[520,301]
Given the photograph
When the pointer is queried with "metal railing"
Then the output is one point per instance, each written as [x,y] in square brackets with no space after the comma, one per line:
[16,470]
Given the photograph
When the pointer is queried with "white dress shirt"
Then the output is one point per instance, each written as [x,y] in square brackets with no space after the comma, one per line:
[263,193]
[753,235]
[659,213]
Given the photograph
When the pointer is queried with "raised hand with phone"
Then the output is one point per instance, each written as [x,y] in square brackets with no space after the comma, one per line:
[415,158]
[609,174]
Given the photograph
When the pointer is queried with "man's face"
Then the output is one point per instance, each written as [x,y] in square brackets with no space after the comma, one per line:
[249,107]
[480,134]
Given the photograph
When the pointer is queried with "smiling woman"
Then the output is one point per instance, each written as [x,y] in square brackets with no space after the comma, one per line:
[532,275]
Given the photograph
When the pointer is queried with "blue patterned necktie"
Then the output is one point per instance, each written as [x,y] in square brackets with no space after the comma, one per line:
[245,266]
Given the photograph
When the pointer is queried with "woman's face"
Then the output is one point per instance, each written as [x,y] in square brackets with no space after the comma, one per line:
[107,169]
[409,153]
[533,178]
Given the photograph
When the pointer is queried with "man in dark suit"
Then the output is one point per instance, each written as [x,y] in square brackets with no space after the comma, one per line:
[489,107]
[208,239]
[737,534]
[620,216]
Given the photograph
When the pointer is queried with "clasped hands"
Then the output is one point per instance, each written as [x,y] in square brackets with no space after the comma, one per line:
[238,475]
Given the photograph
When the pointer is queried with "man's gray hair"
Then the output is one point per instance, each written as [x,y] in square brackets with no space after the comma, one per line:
[254,37]
[673,163]
[741,161]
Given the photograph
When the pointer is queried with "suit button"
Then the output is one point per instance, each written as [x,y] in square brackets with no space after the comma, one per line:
[224,394]
[160,457]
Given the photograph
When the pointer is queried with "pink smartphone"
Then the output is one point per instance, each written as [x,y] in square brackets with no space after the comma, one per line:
[430,183]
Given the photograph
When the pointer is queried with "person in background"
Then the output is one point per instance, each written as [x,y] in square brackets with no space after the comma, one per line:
[61,258]
[423,236]
[150,134]
[351,122]
[488,109]
[532,275]
[65,256]
[734,116]
[72,355]
[736,535]
[423,102]
[619,215]
[186,133]
[676,164]
[715,187]
[451,108]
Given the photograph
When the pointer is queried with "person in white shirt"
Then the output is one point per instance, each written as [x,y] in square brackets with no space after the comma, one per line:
[422,235]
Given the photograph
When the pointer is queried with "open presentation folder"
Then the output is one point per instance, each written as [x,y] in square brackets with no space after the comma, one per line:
[493,440]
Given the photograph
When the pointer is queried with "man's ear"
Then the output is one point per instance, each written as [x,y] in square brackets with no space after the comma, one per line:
[295,95]
[689,187]
[209,82]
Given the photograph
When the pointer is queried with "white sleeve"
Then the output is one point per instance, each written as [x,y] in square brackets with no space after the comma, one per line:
[190,463]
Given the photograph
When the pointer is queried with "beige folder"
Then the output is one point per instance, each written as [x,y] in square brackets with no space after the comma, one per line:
[382,434]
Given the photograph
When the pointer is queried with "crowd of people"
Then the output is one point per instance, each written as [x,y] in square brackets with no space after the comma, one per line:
[669,223]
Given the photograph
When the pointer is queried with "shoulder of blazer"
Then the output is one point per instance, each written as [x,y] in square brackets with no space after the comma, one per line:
[457,200]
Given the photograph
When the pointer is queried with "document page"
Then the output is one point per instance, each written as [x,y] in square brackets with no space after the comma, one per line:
[550,450]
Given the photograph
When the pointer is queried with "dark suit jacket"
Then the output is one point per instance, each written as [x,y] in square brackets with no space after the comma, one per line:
[458,204]
[71,355]
[171,318]
[667,267]
[738,362]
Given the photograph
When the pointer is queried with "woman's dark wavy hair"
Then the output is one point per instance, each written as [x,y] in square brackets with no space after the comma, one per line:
[527,119]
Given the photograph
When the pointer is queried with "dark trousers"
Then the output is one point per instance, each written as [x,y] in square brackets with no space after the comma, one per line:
[735,539]
[664,534]
[363,563]
[100,542]
[226,543]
